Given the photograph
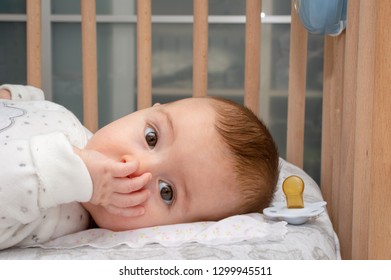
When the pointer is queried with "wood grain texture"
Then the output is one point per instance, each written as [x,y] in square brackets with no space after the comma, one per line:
[89,61]
[33,11]
[296,91]
[200,48]
[346,173]
[380,206]
[253,55]
[144,54]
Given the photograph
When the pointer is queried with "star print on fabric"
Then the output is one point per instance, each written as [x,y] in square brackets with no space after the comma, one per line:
[7,115]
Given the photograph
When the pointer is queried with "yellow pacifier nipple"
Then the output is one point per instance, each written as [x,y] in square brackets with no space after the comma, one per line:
[293,188]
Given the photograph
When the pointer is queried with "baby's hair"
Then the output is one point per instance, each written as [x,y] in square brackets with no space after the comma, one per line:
[254,154]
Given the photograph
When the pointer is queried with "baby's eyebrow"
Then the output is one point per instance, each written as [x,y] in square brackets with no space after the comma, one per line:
[168,119]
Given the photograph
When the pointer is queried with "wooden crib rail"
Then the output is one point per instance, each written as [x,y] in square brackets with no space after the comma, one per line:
[144,54]
[33,11]
[89,61]
[89,54]
[200,52]
[356,154]
[296,91]
[200,48]
[252,69]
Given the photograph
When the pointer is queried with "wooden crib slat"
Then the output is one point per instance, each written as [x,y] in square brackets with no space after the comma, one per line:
[336,95]
[296,91]
[359,190]
[331,124]
[200,48]
[327,122]
[89,61]
[372,162]
[379,206]
[346,180]
[33,10]
[366,44]
[253,55]
[144,53]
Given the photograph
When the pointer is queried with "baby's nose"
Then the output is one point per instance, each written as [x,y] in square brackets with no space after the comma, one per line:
[145,165]
[128,158]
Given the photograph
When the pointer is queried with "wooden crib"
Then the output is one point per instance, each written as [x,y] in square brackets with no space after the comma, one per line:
[356,155]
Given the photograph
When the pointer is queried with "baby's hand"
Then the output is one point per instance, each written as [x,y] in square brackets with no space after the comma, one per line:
[113,189]
[5,94]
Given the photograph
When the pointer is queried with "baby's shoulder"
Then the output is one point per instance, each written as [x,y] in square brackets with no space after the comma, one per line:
[33,105]
[24,119]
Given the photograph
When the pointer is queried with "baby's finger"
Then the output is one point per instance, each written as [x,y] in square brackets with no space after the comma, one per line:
[129,200]
[126,185]
[123,169]
[126,212]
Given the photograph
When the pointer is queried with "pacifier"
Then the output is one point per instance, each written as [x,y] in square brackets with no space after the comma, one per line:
[293,210]
[293,188]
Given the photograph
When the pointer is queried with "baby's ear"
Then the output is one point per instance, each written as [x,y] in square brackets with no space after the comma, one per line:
[156,104]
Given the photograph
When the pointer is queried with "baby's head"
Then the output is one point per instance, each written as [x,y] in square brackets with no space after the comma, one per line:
[209,159]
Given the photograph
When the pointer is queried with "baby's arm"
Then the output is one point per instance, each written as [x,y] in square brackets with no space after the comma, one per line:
[114,185]
[38,174]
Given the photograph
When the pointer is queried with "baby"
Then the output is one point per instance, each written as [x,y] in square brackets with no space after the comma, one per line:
[196,159]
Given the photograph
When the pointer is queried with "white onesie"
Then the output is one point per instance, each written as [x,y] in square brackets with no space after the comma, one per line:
[41,180]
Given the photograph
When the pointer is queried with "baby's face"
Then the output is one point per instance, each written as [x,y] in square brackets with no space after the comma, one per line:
[179,145]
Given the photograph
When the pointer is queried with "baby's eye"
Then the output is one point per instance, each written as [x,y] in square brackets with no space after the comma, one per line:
[151,137]
[166,192]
